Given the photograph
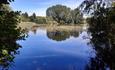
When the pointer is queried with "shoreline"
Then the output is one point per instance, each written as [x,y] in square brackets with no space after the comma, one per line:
[32,26]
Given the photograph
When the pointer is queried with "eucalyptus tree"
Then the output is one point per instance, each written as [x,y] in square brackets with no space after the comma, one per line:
[64,15]
[58,12]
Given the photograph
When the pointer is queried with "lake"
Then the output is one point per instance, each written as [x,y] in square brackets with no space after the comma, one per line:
[54,49]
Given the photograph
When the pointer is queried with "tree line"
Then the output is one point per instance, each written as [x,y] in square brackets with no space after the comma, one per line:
[32,18]
[58,13]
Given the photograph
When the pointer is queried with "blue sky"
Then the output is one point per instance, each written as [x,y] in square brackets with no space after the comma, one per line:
[40,6]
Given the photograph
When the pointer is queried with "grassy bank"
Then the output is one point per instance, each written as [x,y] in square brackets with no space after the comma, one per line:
[32,26]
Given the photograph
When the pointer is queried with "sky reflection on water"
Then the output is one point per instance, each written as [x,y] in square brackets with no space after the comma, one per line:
[39,52]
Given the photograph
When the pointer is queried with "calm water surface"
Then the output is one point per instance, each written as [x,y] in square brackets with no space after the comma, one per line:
[46,49]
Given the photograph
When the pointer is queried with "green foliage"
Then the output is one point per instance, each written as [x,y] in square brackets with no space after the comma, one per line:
[8,25]
[25,17]
[102,30]
[64,15]
[41,20]
[77,16]
[38,20]
[5,7]
[33,18]
[113,4]
[58,13]
[9,34]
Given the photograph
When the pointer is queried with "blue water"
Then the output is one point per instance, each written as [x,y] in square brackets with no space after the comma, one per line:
[39,52]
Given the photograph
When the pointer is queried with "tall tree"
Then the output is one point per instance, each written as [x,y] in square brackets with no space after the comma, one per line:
[33,17]
[25,14]
[58,13]
[64,15]
[25,17]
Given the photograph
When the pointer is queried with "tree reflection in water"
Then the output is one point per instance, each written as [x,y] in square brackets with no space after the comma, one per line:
[61,35]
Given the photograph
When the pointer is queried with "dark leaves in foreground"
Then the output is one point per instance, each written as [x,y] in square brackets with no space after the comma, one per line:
[102,29]
[9,34]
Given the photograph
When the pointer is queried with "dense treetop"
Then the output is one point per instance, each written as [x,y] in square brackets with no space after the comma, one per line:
[64,15]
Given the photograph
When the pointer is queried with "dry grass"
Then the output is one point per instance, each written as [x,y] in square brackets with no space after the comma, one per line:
[26,25]
[34,26]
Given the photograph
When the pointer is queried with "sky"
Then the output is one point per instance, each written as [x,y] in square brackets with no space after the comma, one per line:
[40,6]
